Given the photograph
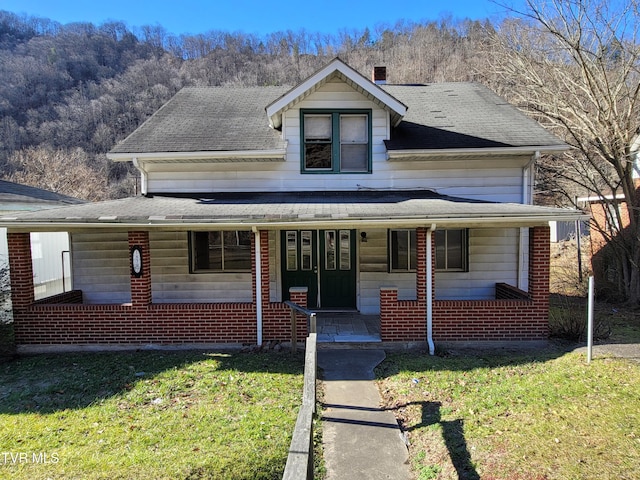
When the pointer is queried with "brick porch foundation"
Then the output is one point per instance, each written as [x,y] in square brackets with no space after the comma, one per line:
[64,319]
[512,318]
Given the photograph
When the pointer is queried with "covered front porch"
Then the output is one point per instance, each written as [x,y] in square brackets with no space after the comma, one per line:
[141,288]
[68,319]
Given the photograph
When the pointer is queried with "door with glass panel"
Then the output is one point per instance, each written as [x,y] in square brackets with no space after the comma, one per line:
[324,262]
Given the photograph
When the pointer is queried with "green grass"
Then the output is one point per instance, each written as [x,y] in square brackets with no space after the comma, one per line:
[513,416]
[143,415]
[624,322]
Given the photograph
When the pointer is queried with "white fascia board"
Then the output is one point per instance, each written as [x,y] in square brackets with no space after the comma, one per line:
[202,155]
[374,90]
[599,198]
[314,223]
[453,152]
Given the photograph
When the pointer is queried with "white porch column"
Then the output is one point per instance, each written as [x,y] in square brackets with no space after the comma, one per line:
[429,291]
[258,260]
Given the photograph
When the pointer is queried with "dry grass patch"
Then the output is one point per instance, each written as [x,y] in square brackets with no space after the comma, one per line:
[547,416]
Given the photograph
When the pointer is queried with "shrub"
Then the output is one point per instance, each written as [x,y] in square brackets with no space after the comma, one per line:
[568,320]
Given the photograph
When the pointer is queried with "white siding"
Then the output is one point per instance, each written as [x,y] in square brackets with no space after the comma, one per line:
[172,282]
[374,273]
[100,263]
[493,258]
[101,270]
[495,180]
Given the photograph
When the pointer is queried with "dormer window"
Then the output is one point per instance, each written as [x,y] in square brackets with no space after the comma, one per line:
[336,142]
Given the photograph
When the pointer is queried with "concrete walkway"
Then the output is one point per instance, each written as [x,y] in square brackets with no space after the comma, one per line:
[360,440]
[630,351]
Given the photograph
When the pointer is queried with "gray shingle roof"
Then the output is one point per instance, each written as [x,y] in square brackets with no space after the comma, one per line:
[355,208]
[439,116]
[202,119]
[11,192]
[462,115]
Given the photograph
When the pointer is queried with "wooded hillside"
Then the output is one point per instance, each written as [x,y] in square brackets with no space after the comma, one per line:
[68,93]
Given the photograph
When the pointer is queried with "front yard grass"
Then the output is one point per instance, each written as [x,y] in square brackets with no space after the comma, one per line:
[547,415]
[142,415]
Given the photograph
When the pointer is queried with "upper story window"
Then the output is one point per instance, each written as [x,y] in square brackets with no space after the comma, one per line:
[221,251]
[336,142]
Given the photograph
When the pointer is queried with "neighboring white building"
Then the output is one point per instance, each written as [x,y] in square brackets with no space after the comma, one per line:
[50,250]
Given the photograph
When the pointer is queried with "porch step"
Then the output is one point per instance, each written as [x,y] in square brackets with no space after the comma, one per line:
[347,338]
[348,327]
[387,346]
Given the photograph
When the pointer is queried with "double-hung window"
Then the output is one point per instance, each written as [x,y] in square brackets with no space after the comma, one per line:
[221,251]
[451,250]
[336,142]
[402,250]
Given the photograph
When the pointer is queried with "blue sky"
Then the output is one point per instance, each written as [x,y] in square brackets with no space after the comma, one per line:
[255,16]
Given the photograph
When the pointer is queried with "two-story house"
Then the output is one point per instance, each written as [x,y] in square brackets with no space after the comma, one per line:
[412,203]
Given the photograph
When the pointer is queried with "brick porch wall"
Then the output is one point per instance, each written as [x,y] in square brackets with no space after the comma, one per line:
[405,320]
[140,322]
[128,324]
[475,320]
[21,270]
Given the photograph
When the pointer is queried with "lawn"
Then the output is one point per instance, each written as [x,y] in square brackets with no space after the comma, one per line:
[142,415]
[529,416]
[510,416]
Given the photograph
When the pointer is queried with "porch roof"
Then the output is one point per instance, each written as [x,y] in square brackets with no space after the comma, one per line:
[276,210]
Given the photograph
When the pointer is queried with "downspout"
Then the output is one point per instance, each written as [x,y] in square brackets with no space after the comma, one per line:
[256,236]
[527,199]
[527,179]
[143,175]
[429,291]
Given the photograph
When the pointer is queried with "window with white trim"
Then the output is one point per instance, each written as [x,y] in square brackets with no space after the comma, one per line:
[451,250]
[336,142]
[221,251]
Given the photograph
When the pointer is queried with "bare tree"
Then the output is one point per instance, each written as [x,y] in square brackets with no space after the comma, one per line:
[574,65]
[59,170]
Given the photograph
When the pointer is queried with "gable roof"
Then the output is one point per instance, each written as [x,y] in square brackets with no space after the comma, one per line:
[336,68]
[229,124]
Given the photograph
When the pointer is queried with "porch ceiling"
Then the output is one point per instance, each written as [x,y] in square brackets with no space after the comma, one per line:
[277,210]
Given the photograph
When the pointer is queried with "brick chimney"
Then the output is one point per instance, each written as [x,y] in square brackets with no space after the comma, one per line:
[379,76]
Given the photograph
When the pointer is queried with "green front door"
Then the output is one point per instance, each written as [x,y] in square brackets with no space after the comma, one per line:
[324,262]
